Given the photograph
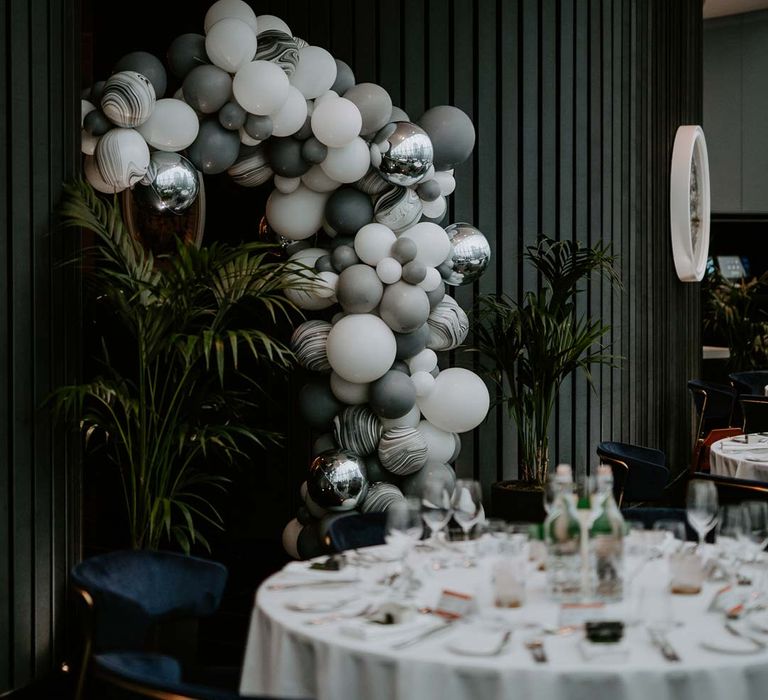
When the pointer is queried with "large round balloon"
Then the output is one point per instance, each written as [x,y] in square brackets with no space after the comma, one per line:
[349,392]
[361,348]
[317,403]
[173,184]
[291,116]
[432,471]
[359,290]
[260,87]
[345,78]
[393,395]
[128,98]
[348,210]
[404,307]
[373,243]
[406,153]
[374,103]
[297,215]
[452,134]
[185,53]
[207,88]
[347,163]
[337,480]
[123,158]
[315,72]
[215,149]
[284,155]
[92,174]
[172,126]
[230,44]
[336,122]
[148,65]
[440,444]
[470,254]
[225,9]
[458,402]
[432,243]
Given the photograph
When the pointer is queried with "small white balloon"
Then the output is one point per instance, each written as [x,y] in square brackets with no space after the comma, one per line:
[361,348]
[316,179]
[349,392]
[287,184]
[389,270]
[335,122]
[436,208]
[446,182]
[409,420]
[230,44]
[458,402]
[315,72]
[327,95]
[432,243]
[224,9]
[432,281]
[423,381]
[425,361]
[85,109]
[373,243]
[270,22]
[348,163]
[291,116]
[261,87]
[297,215]
[172,126]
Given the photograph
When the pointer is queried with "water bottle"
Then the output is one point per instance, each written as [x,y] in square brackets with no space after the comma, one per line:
[606,541]
[562,532]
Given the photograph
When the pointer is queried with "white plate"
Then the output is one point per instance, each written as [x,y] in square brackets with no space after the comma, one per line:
[729,644]
[477,641]
[758,621]
[315,606]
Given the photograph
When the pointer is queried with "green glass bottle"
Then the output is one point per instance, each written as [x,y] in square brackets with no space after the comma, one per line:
[606,542]
[562,532]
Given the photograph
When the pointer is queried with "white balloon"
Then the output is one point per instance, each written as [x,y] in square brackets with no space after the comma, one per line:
[388,270]
[93,176]
[316,179]
[246,139]
[361,348]
[305,297]
[349,392]
[224,9]
[230,44]
[336,122]
[315,72]
[434,209]
[88,142]
[172,126]
[85,109]
[297,215]
[409,420]
[373,243]
[287,184]
[423,381]
[291,116]
[267,22]
[432,243]
[348,163]
[291,534]
[261,87]
[459,401]
[425,361]
[446,182]
[432,281]
[440,444]
[327,95]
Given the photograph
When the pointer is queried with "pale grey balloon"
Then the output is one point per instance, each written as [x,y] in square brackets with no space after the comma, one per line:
[173,184]
[232,116]
[406,155]
[207,88]
[359,289]
[148,65]
[411,344]
[393,395]
[215,149]
[313,151]
[452,134]
[374,103]
[401,366]
[413,485]
[470,254]
[436,295]
[258,126]
[344,256]
[345,78]
[429,191]
[404,307]
[404,250]
[337,480]
[185,53]
[414,272]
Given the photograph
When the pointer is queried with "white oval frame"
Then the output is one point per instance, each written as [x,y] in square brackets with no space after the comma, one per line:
[689,265]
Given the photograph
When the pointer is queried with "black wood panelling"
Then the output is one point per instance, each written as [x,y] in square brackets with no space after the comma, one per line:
[40,330]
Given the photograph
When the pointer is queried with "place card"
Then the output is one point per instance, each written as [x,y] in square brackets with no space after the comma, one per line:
[453,605]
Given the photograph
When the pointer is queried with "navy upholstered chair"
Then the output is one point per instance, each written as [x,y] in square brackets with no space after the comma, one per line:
[714,405]
[755,412]
[357,530]
[752,383]
[640,474]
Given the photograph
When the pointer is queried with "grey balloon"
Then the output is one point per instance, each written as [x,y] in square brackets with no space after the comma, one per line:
[452,134]
[324,264]
[413,485]
[404,250]
[96,123]
[344,256]
[317,403]
[400,366]
[374,470]
[429,191]
[411,344]
[173,184]
[306,131]
[207,89]
[148,65]
[185,53]
[407,154]
[313,151]
[398,115]
[414,272]
[337,480]
[436,295]
[323,444]
[359,290]
[232,116]
[393,395]
[97,92]
[470,254]
[215,149]
[258,126]
[374,103]
[404,307]
[348,210]
[284,156]
[310,542]
[345,78]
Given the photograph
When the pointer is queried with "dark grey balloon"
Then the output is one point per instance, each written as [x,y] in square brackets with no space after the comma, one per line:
[284,156]
[393,395]
[313,151]
[232,116]
[96,123]
[344,256]
[411,344]
[404,307]
[207,89]
[345,78]
[185,53]
[414,272]
[348,210]
[374,103]
[310,542]
[258,126]
[215,149]
[374,470]
[404,250]
[306,131]
[324,264]
[359,289]
[323,444]
[148,65]
[342,240]
[337,480]
[173,184]
[97,92]
[303,515]
[317,403]
[429,191]
[452,134]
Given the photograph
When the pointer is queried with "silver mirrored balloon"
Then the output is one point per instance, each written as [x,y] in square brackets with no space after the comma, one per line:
[170,185]
[470,255]
[406,153]
[337,480]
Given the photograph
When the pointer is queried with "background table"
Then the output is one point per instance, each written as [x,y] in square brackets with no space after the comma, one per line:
[286,656]
[731,457]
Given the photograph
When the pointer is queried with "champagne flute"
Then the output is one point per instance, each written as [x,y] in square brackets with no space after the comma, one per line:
[701,507]
[436,509]
[467,504]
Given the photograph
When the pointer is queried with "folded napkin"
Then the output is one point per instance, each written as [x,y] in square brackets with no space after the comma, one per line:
[596,650]
[369,630]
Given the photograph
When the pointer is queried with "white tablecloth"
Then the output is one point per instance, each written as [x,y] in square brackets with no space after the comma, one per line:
[287,657]
[733,457]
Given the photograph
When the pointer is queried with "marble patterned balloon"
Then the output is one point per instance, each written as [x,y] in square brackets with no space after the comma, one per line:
[123,158]
[403,450]
[398,209]
[448,325]
[251,168]
[357,429]
[280,48]
[309,342]
[128,99]
[372,183]
[380,497]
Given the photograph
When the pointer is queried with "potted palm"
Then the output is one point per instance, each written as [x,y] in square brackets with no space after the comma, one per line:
[171,403]
[533,344]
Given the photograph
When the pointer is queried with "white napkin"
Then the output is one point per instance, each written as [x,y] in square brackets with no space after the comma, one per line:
[368,630]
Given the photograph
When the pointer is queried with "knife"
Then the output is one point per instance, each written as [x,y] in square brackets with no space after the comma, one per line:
[442,627]
[308,584]
[660,641]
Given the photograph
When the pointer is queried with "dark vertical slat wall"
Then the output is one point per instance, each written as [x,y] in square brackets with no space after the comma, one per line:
[576,105]
[39,317]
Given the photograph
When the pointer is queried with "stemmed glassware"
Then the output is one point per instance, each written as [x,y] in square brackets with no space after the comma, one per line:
[436,509]
[732,532]
[701,505]
[467,504]
[757,534]
[402,531]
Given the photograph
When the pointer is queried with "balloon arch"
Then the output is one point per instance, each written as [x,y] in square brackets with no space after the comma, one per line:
[263,105]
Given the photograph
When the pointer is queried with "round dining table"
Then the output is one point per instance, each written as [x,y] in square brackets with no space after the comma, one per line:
[742,457]
[309,637]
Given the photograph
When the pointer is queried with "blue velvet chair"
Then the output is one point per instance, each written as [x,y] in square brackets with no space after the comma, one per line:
[357,530]
[714,405]
[749,383]
[640,474]
[126,593]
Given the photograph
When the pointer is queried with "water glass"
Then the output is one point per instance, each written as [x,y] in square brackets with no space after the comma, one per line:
[509,573]
[757,535]
[467,504]
[436,507]
[701,505]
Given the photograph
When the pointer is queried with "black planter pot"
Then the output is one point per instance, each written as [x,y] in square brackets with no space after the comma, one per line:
[517,501]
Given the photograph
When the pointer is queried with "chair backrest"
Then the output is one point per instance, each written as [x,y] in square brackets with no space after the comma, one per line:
[700,456]
[357,530]
[639,473]
[755,410]
[752,383]
[714,405]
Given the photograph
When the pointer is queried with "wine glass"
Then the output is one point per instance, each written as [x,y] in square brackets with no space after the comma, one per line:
[701,506]
[401,532]
[436,509]
[757,535]
[467,504]
[732,532]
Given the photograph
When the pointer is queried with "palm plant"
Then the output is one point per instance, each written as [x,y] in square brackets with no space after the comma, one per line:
[535,343]
[170,403]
